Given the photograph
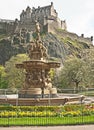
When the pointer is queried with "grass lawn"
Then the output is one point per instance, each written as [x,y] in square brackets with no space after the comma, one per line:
[44,121]
[87,93]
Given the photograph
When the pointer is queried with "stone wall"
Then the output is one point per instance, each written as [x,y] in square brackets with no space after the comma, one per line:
[74,36]
[6,27]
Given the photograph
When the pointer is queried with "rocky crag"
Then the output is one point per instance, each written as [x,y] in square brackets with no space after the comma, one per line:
[60,45]
[16,35]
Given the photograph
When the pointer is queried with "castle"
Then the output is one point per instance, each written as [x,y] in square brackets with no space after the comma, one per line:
[48,19]
[46,16]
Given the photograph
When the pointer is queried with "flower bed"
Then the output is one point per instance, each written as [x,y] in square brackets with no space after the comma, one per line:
[46,111]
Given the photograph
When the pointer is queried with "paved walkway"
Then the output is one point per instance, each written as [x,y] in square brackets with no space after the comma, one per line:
[80,127]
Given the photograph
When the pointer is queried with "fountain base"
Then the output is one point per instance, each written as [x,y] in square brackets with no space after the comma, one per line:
[38,93]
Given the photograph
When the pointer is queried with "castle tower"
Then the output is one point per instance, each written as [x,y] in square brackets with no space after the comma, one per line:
[47,16]
[26,15]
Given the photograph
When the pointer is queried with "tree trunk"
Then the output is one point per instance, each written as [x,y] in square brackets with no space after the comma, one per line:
[77,86]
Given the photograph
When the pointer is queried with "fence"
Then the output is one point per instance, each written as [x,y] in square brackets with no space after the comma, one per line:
[66,114]
[46,115]
[82,90]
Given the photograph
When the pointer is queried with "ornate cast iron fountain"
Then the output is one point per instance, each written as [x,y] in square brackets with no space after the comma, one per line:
[37,80]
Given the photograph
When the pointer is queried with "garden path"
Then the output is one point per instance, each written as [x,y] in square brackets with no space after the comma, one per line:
[76,127]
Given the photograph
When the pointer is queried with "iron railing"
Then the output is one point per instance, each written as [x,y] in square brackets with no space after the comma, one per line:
[69,114]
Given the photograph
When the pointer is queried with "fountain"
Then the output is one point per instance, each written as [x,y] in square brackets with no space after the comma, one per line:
[38,88]
[37,80]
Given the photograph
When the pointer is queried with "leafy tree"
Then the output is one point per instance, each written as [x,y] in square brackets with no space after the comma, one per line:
[15,76]
[3,81]
[88,58]
[79,72]
[52,73]
[72,73]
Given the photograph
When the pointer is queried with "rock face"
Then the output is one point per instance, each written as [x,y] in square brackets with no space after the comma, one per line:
[58,46]
[59,42]
[7,50]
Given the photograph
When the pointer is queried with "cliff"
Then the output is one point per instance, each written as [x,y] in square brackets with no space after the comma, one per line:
[61,45]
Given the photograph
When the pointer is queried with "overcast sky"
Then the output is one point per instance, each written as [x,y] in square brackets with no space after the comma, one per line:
[79,14]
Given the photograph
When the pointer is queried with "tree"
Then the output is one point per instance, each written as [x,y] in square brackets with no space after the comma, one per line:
[3,81]
[79,72]
[15,76]
[72,73]
[88,58]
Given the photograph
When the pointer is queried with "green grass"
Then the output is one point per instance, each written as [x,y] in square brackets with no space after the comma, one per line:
[2,36]
[88,93]
[46,121]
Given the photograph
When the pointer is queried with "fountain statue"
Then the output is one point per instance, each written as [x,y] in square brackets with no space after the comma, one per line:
[37,80]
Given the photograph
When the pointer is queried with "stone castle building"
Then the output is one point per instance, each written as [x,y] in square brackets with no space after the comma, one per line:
[46,16]
[48,19]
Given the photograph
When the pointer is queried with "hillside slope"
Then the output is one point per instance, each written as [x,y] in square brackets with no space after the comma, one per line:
[59,45]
